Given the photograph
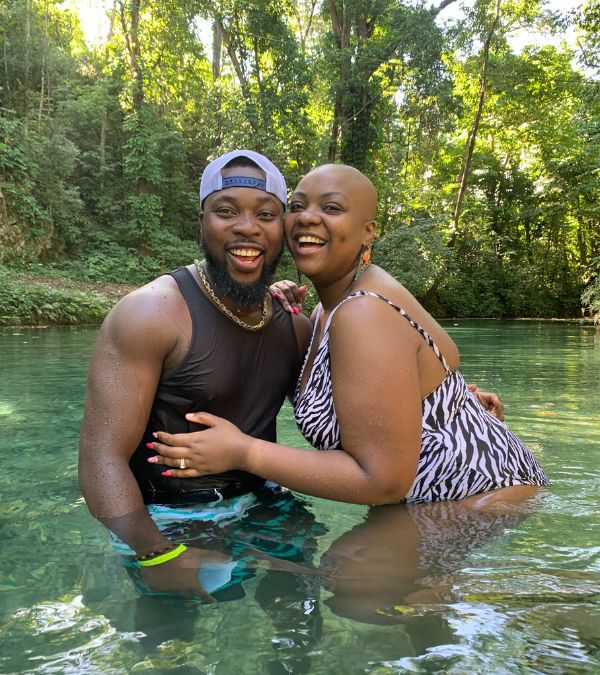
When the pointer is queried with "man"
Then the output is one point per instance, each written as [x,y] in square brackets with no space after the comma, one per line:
[207,337]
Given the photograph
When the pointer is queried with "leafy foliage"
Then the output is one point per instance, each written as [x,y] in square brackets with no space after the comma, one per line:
[39,304]
[591,295]
[101,147]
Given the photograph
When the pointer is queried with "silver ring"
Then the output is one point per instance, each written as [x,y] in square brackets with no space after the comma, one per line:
[182,464]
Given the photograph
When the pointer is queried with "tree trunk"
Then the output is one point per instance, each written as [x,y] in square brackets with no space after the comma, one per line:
[470,146]
[341,28]
[335,131]
[242,79]
[104,114]
[217,51]
[136,70]
[217,46]
[45,76]
[27,61]
[468,154]
[356,142]
[582,245]
[131,34]
[263,111]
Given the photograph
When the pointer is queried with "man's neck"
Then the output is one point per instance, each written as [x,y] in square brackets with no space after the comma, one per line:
[249,313]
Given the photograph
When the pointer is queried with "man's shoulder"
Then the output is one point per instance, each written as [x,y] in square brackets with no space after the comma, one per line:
[154,305]
[302,329]
[162,289]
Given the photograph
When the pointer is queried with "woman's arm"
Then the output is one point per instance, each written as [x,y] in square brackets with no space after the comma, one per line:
[378,405]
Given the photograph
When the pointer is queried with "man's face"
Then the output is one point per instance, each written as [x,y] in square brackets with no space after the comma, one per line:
[242,238]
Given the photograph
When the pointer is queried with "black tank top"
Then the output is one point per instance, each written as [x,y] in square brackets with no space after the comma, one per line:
[228,371]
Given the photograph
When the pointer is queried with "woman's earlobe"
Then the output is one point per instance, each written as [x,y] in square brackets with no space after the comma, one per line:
[364,259]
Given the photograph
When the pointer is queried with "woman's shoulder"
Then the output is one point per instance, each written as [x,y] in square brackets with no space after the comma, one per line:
[378,282]
[382,284]
[370,311]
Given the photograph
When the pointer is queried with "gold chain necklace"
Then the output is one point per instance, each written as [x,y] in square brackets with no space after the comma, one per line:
[227,312]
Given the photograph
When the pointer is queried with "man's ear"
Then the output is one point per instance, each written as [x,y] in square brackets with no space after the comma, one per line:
[200,224]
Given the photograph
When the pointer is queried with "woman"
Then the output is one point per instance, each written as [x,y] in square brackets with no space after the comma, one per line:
[379,390]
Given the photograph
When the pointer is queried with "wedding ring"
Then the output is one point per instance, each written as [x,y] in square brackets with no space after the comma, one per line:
[182,464]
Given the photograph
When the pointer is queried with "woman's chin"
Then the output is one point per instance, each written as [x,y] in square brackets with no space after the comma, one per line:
[307,267]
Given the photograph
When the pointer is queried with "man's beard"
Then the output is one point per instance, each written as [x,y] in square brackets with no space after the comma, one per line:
[245,295]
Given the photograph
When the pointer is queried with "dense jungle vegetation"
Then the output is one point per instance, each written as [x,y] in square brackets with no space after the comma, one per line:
[486,156]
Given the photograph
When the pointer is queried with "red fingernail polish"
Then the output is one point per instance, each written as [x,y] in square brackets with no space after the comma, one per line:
[150,446]
[153,460]
[165,473]
[277,294]
[296,311]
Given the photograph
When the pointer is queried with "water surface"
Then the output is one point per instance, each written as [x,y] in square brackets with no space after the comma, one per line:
[426,590]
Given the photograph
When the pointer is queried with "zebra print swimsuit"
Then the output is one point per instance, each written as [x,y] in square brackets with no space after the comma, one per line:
[464,449]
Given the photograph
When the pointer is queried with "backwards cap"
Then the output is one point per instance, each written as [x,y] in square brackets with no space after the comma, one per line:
[212,180]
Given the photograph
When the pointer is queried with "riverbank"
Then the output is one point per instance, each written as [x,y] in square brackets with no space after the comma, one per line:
[44,300]
[32,300]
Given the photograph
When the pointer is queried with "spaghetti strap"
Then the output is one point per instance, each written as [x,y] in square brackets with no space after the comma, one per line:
[319,309]
[422,332]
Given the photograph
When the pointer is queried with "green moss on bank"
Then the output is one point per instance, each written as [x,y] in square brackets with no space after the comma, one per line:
[34,301]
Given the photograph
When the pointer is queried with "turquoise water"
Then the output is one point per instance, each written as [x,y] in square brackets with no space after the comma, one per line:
[395,590]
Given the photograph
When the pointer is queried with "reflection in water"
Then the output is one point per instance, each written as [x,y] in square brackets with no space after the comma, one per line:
[394,568]
[404,555]
[275,538]
[386,590]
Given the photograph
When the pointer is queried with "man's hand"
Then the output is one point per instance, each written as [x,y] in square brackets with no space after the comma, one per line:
[490,401]
[180,575]
[290,295]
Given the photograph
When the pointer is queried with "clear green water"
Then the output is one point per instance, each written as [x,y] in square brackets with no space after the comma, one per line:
[452,593]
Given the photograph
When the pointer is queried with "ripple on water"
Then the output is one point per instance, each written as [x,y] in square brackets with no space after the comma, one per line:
[61,636]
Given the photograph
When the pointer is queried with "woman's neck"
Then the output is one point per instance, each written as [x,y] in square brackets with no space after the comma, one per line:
[333,292]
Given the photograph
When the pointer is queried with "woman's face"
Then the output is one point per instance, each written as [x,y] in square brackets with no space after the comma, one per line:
[330,219]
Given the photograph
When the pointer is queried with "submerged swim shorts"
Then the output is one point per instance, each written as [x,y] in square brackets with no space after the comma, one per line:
[249,529]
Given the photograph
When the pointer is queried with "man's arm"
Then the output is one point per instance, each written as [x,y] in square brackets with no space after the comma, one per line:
[133,343]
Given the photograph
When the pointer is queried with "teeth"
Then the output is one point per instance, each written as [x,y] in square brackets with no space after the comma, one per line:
[308,239]
[245,252]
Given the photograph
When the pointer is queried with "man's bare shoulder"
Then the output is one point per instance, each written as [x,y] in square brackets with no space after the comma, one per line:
[152,313]
[302,329]
[155,299]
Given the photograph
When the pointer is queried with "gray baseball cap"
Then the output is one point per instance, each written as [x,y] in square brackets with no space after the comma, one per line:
[212,180]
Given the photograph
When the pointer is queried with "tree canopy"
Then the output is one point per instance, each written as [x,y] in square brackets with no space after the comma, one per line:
[486,157]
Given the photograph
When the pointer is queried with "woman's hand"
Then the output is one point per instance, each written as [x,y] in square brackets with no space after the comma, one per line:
[221,447]
[289,294]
